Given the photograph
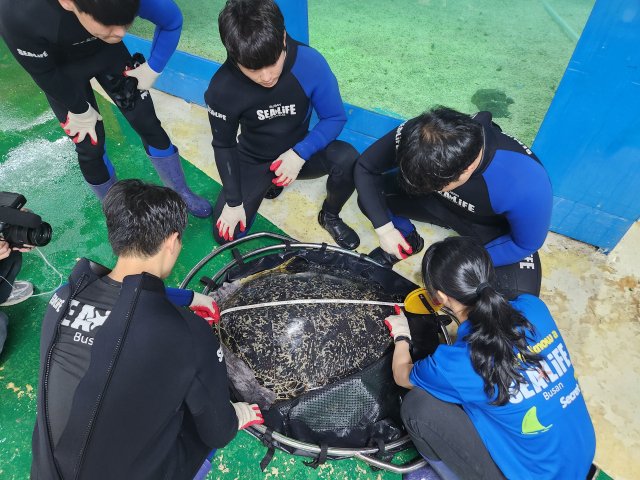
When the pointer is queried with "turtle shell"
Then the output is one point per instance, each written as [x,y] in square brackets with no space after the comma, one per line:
[296,348]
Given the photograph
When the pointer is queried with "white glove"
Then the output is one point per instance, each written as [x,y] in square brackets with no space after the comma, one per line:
[398,325]
[287,168]
[205,307]
[247,414]
[229,219]
[80,125]
[392,241]
[145,74]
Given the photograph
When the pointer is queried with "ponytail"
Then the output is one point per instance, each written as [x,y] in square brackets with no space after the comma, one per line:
[461,268]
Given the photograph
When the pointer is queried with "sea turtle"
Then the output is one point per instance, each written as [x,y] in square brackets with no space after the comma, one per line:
[292,349]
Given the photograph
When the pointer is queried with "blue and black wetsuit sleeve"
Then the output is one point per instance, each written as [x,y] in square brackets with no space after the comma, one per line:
[321,87]
[374,161]
[167,18]
[526,205]
[179,296]
[224,118]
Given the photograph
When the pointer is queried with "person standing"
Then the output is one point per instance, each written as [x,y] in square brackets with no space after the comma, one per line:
[62,44]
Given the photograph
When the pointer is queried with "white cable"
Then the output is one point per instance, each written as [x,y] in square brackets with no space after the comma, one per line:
[309,301]
[55,270]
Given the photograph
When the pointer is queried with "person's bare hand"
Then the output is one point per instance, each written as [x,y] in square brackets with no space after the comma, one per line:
[5,251]
[24,248]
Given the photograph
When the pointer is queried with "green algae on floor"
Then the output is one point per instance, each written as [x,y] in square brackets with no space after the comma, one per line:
[403,57]
[38,160]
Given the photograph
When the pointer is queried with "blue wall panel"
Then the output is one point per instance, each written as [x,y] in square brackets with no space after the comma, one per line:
[296,18]
[590,138]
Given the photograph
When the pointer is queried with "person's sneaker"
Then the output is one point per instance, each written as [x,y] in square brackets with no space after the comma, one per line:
[20,292]
[273,192]
[343,234]
[415,241]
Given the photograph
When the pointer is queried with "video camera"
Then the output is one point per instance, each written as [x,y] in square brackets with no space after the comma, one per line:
[18,227]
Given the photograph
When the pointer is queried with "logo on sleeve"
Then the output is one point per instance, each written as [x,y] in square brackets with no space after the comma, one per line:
[215,114]
[56,302]
[220,354]
[277,110]
[34,55]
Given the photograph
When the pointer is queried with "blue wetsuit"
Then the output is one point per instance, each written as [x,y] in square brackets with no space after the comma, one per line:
[274,120]
[545,431]
[62,56]
[506,203]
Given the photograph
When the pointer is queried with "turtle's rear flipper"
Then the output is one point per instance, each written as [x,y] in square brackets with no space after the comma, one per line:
[244,384]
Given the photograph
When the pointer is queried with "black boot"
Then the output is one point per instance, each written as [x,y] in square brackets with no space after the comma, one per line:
[273,192]
[342,233]
[415,241]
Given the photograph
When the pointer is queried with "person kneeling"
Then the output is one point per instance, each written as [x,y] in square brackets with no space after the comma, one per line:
[503,400]
[131,386]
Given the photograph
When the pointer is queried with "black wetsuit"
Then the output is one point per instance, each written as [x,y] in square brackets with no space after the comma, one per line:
[272,121]
[62,57]
[506,203]
[143,381]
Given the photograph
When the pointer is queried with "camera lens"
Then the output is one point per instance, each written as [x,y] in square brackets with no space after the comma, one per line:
[18,235]
[40,236]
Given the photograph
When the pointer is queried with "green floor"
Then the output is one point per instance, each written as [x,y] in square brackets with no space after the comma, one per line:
[402,57]
[38,161]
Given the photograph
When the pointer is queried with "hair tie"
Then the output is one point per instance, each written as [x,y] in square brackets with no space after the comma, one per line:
[481,287]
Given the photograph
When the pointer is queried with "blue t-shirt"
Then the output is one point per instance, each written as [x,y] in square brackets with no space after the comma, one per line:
[545,431]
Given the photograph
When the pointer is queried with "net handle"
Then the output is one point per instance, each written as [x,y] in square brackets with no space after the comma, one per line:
[363,454]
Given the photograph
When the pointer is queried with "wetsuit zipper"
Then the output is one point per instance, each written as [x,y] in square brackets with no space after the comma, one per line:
[48,365]
[106,383]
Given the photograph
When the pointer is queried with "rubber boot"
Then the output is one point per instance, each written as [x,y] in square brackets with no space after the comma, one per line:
[172,176]
[423,473]
[101,190]
[442,470]
[204,471]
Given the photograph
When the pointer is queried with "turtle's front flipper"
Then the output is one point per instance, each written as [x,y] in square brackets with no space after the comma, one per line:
[244,384]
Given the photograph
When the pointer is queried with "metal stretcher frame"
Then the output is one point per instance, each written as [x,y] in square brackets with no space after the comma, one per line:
[365,454]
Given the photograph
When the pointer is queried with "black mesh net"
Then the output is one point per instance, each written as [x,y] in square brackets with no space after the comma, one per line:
[357,407]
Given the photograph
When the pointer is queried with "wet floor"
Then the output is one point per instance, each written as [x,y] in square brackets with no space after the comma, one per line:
[594,298]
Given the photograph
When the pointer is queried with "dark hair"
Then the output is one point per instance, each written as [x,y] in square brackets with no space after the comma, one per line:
[110,12]
[252,31]
[141,216]
[436,149]
[457,266]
